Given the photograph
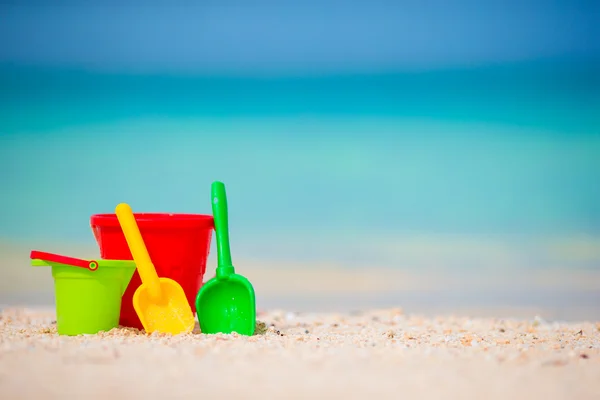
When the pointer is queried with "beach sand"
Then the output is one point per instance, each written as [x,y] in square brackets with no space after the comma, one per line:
[506,333]
[379,353]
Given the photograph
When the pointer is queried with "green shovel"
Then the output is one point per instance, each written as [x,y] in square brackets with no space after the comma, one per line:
[226,303]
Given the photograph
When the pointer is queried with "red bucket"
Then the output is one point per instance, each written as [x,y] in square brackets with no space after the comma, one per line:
[178,245]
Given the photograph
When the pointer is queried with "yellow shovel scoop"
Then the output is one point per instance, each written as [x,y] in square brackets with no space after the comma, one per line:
[160,303]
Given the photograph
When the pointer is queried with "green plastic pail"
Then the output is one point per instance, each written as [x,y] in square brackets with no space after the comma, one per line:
[88,301]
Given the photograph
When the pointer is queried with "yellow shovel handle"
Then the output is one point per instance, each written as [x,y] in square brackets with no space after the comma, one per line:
[138,249]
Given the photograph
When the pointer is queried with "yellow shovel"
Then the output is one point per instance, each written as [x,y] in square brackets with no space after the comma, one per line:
[160,303]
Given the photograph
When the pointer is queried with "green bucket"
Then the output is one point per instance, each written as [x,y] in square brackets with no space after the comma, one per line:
[88,293]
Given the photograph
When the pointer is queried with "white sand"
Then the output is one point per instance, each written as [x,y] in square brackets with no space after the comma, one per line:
[381,353]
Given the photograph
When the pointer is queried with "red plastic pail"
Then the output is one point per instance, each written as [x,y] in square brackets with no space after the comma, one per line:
[178,245]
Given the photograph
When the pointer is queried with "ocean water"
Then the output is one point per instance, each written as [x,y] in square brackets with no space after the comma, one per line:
[468,167]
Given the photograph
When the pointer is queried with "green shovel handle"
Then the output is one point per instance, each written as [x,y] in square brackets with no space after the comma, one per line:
[219,207]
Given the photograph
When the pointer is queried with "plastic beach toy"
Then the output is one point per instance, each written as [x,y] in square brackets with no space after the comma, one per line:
[178,245]
[88,292]
[160,303]
[226,303]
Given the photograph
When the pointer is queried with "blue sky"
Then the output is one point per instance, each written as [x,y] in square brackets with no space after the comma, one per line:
[284,35]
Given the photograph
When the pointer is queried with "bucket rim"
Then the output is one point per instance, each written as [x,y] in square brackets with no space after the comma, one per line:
[36,262]
[156,220]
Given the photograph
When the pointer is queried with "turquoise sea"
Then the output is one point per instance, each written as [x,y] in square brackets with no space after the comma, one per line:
[354,169]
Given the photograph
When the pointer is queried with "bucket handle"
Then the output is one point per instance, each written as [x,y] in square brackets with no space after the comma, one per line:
[92,265]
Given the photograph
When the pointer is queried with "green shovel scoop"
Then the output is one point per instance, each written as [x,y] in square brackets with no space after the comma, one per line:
[226,303]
